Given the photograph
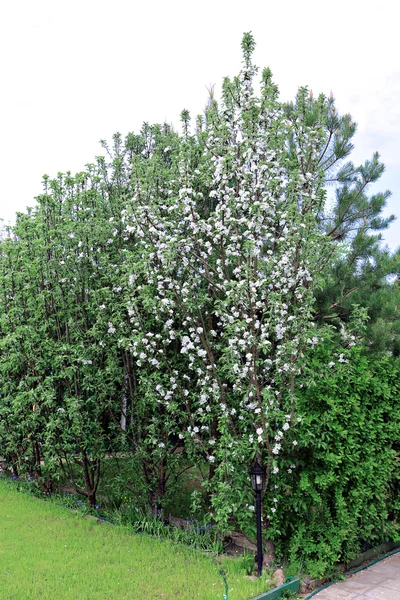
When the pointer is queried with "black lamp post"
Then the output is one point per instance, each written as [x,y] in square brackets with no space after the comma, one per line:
[257,476]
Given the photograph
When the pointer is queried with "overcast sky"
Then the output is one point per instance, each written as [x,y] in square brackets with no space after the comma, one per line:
[75,72]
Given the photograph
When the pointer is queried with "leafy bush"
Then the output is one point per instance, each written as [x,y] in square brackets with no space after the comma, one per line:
[343,495]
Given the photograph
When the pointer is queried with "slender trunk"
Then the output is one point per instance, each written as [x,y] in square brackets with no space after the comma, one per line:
[91,474]
[156,479]
[211,474]
[37,455]
[124,403]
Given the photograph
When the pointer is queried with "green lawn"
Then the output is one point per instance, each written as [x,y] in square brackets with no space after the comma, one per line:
[48,553]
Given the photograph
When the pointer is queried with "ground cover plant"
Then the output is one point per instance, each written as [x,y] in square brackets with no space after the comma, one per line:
[48,552]
[163,315]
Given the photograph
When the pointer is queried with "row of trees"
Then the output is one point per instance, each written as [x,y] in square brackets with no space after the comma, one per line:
[167,301]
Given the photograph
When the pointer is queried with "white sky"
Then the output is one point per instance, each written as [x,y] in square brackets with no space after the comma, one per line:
[75,72]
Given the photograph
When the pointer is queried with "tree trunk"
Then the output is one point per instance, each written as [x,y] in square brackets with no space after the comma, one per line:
[124,403]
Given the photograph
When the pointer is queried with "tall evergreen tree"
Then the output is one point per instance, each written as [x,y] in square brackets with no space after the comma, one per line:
[364,273]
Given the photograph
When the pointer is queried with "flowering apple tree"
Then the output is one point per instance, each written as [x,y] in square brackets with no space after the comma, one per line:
[231,251]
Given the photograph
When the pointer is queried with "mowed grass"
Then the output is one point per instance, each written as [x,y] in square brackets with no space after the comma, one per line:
[48,553]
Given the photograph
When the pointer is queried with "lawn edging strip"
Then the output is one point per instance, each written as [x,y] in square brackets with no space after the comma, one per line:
[290,586]
[384,548]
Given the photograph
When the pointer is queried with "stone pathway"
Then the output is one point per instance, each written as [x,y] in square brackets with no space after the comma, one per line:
[381,580]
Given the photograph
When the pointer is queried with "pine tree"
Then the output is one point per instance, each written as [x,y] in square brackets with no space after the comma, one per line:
[366,273]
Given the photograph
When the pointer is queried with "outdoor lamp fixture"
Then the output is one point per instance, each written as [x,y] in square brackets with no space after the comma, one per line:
[257,476]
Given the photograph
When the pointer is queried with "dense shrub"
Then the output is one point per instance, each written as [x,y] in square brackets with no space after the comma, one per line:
[343,495]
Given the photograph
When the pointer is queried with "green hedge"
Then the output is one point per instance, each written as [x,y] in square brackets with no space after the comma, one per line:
[342,496]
